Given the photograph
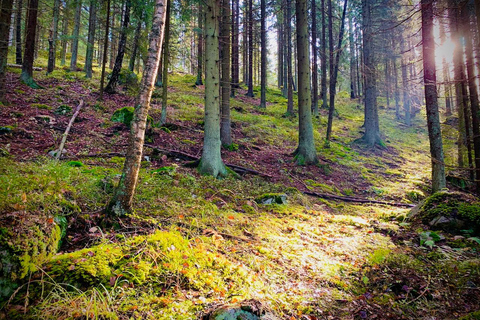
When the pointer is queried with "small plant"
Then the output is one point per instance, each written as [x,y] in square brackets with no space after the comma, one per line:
[41,106]
[428,238]
[63,110]
[231,147]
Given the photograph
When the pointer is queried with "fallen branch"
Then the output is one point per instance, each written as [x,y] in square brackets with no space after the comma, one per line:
[13,65]
[65,134]
[358,200]
[96,155]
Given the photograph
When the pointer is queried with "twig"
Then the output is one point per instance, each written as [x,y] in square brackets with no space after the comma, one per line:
[421,294]
[65,134]
[13,65]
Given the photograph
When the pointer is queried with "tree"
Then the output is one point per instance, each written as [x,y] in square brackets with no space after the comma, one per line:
[305,152]
[406,89]
[91,38]
[5,17]
[211,162]
[136,40]
[122,200]
[263,62]
[112,83]
[164,65]
[105,48]
[199,81]
[76,32]
[250,49]
[430,82]
[372,130]
[353,89]
[53,37]
[315,60]
[29,54]
[288,32]
[225,125]
[235,46]
[18,32]
[323,59]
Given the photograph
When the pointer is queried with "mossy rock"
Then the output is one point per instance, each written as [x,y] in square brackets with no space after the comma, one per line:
[272,198]
[450,211]
[126,77]
[245,310]
[125,116]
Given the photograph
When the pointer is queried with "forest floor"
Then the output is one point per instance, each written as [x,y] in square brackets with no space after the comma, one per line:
[195,243]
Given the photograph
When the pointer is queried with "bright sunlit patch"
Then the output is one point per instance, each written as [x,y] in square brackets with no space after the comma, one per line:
[444,51]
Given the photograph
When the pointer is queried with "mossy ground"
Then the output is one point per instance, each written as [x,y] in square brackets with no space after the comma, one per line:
[194,241]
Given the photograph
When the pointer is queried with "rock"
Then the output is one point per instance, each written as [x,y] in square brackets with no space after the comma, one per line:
[272,198]
[45,119]
[456,238]
[245,310]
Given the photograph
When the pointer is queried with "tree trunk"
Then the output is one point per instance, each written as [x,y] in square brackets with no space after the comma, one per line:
[245,43]
[136,39]
[76,31]
[65,18]
[250,49]
[235,48]
[200,40]
[474,103]
[323,58]
[397,91]
[406,90]
[446,75]
[280,45]
[166,57]
[430,81]
[353,90]
[263,62]
[5,18]
[29,54]
[315,61]
[18,32]
[284,50]
[122,200]
[52,50]
[91,38]
[112,83]
[305,153]
[105,48]
[211,162]
[225,125]
[334,68]
[372,133]
[288,30]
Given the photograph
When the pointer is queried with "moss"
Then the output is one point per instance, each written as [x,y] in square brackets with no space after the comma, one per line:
[272,198]
[471,316]
[41,106]
[75,164]
[125,116]
[63,110]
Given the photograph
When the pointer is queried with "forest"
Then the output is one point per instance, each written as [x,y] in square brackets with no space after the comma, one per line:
[227,159]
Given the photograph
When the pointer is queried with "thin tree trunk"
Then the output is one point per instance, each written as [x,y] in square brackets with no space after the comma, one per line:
[315,60]
[29,54]
[263,62]
[112,83]
[352,58]
[285,50]
[323,57]
[63,53]
[446,75]
[92,21]
[225,125]
[334,69]
[5,18]
[200,40]
[280,54]
[406,90]
[53,39]
[235,46]
[122,200]
[76,31]
[166,59]
[105,48]
[211,162]
[430,81]
[250,49]
[305,153]
[245,43]
[18,32]
[289,59]
[136,39]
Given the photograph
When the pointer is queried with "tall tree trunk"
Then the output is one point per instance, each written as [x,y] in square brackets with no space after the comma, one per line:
[5,18]
[305,153]
[285,50]
[263,62]
[136,39]
[315,60]
[225,126]
[245,43]
[65,19]
[52,51]
[406,90]
[76,31]
[387,79]
[323,58]
[446,75]
[474,103]
[352,58]
[334,68]
[29,54]
[166,58]
[395,78]
[430,81]
[112,83]
[280,45]
[200,40]
[92,21]
[289,59]
[122,200]
[105,48]
[250,49]
[211,162]
[235,47]
[18,32]
[372,133]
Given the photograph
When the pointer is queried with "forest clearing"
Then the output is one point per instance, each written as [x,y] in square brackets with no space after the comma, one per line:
[333,176]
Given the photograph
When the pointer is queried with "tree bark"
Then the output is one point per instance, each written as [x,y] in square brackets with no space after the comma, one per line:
[18,32]
[225,125]
[52,51]
[136,39]
[263,59]
[65,18]
[76,31]
[29,54]
[315,61]
[112,83]
[288,30]
[200,40]
[323,58]
[250,49]
[92,21]
[305,153]
[5,18]
[122,200]
[406,90]
[353,91]
[280,45]
[166,58]
[105,48]
[235,46]
[430,82]
[211,162]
